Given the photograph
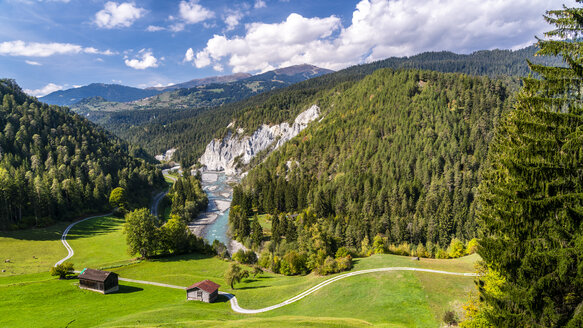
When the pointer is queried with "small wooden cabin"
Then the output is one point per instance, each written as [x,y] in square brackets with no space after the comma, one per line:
[206,291]
[98,281]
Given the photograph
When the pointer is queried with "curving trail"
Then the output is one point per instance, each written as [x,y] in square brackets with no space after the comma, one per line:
[235,305]
[154,210]
[156,202]
[64,237]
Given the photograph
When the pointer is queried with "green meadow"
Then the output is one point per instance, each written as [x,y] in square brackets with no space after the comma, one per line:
[387,299]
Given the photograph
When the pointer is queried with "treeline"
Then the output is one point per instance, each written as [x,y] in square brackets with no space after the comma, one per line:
[398,154]
[191,130]
[151,236]
[56,165]
[188,198]
[298,244]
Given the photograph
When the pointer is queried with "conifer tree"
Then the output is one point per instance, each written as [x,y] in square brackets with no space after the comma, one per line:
[531,196]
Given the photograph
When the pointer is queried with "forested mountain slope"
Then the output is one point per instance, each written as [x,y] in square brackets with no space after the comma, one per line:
[191,130]
[398,153]
[56,165]
[109,92]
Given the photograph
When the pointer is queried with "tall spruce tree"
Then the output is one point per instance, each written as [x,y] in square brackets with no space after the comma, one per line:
[531,197]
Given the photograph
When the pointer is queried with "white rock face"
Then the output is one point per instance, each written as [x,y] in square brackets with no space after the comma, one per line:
[167,156]
[220,155]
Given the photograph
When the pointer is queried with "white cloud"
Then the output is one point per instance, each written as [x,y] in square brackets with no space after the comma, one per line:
[118,15]
[155,84]
[91,50]
[232,20]
[36,49]
[189,55]
[379,29]
[259,4]
[268,43]
[147,60]
[33,63]
[191,12]
[218,67]
[176,27]
[154,28]
[51,87]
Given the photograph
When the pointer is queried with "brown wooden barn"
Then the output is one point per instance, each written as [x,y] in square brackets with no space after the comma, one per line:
[206,291]
[99,281]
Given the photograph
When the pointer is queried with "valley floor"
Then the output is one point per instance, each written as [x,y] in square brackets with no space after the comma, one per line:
[389,299]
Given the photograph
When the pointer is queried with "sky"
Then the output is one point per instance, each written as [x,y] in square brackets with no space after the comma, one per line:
[49,45]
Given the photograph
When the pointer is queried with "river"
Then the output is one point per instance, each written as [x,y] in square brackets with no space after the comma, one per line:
[214,222]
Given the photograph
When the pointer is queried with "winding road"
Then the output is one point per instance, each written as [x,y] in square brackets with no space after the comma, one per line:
[153,209]
[234,303]
[64,237]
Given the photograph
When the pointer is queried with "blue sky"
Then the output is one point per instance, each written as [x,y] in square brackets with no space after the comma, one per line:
[58,44]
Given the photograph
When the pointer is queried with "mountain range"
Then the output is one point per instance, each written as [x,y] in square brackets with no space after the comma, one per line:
[111,92]
[194,93]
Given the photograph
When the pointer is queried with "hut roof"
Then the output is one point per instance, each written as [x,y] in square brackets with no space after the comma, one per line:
[206,285]
[95,275]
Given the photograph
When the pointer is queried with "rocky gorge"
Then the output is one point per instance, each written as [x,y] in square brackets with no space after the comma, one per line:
[237,149]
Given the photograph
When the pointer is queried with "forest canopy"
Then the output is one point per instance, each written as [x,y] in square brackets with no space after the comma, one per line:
[56,165]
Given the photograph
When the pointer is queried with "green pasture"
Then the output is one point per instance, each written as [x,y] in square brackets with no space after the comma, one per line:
[389,299]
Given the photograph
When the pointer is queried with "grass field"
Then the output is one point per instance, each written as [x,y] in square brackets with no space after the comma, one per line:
[32,250]
[391,299]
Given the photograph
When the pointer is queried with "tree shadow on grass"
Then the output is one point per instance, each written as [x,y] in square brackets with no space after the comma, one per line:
[179,258]
[92,227]
[249,287]
[123,289]
[95,227]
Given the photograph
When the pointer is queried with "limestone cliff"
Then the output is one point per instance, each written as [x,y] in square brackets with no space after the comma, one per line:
[236,148]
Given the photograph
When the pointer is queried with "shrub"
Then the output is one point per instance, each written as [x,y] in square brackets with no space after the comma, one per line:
[456,248]
[421,251]
[329,266]
[342,252]
[264,259]
[62,270]
[284,268]
[441,254]
[220,249]
[379,244]
[245,257]
[472,246]
[297,262]
[344,263]
[449,318]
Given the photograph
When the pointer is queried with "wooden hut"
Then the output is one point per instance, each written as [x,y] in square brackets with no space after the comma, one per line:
[206,291]
[99,281]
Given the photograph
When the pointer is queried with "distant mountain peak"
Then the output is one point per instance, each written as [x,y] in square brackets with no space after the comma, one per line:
[302,68]
[203,81]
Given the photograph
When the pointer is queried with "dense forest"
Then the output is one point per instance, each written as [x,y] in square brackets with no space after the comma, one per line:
[531,196]
[404,164]
[56,165]
[191,130]
[187,197]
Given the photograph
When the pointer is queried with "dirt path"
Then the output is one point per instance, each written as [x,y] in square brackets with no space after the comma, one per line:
[234,303]
[154,210]
[64,237]
[151,283]
[156,202]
